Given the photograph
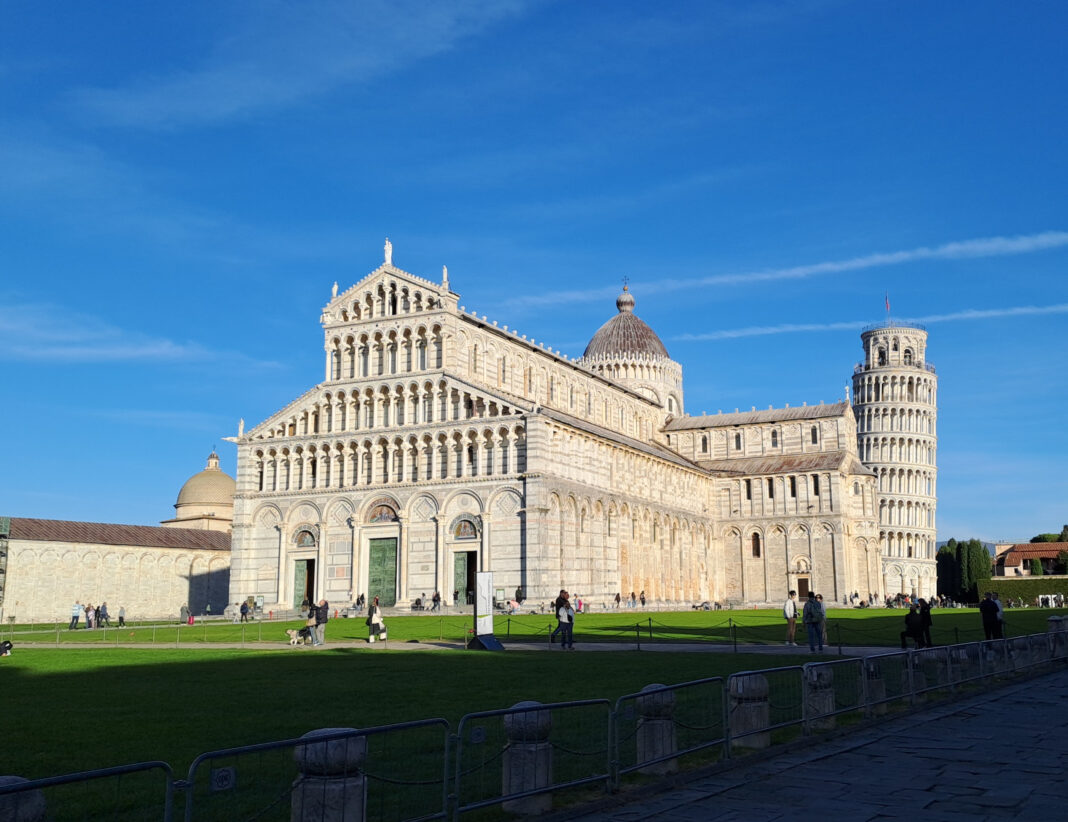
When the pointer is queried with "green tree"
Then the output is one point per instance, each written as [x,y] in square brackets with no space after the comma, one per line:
[1062,563]
[979,568]
[1047,538]
[1036,567]
[948,570]
[1063,535]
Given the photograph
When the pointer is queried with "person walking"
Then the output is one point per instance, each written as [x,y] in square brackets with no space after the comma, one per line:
[823,618]
[558,603]
[103,618]
[619,598]
[811,616]
[122,616]
[641,598]
[90,616]
[311,612]
[789,612]
[244,611]
[566,616]
[75,616]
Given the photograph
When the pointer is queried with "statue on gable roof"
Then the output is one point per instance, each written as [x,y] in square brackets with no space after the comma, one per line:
[389,252]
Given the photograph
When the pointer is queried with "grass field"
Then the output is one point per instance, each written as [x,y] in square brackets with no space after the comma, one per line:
[71,709]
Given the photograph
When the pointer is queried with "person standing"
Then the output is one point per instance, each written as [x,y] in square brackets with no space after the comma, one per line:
[566,615]
[926,622]
[322,616]
[913,628]
[641,598]
[999,627]
[103,618]
[310,621]
[374,621]
[244,611]
[75,616]
[90,616]
[823,618]
[988,611]
[122,616]
[812,615]
[789,612]
[558,603]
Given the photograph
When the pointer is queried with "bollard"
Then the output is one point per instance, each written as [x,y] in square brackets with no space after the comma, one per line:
[819,699]
[656,730]
[875,686]
[527,764]
[331,786]
[23,806]
[750,712]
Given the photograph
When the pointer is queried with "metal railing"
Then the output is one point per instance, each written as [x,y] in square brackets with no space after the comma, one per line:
[519,757]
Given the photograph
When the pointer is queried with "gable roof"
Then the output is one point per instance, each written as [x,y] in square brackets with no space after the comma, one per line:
[804,412]
[789,464]
[102,533]
[1027,551]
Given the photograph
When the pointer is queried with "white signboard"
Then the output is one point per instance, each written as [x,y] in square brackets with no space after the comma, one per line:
[484,603]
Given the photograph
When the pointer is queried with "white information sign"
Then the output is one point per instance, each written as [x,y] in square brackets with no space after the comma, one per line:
[484,603]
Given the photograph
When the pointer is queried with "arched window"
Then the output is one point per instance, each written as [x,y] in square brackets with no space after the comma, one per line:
[815,435]
[793,486]
[771,488]
[774,438]
[704,444]
[908,356]
[737,442]
[748,489]
[881,356]
[756,546]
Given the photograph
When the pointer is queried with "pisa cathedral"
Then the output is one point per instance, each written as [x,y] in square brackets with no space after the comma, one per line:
[439,444]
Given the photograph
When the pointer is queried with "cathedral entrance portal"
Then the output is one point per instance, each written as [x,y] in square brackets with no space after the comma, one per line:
[303,582]
[382,571]
[465,564]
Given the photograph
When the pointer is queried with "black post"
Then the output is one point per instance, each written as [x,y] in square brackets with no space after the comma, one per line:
[638,635]
[650,629]
[956,635]
[509,631]
[734,633]
[838,633]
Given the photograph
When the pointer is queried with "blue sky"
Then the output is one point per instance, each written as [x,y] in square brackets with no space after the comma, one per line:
[180,185]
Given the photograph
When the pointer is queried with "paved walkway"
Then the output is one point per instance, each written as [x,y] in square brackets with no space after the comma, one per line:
[999,756]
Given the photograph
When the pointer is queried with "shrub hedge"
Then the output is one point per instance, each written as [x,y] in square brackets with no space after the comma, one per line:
[1026,588]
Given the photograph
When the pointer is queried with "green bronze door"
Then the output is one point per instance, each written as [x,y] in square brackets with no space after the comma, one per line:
[382,571]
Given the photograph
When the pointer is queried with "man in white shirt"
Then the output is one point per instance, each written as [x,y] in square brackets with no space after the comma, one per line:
[789,612]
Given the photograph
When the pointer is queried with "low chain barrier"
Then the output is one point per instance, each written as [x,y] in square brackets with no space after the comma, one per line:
[652,729]
[520,756]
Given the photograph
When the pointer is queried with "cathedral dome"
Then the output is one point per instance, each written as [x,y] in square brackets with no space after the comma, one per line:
[212,486]
[625,335]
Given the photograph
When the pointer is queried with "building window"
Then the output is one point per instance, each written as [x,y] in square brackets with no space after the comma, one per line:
[756,546]
[704,445]
[815,433]
[908,356]
[737,442]
[771,488]
[856,488]
[815,485]
[793,487]
[748,489]
[774,439]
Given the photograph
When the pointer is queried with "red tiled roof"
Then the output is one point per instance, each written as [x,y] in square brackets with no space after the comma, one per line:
[1018,554]
[102,533]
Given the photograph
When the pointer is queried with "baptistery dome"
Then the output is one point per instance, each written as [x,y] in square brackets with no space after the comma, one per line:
[625,334]
[206,500]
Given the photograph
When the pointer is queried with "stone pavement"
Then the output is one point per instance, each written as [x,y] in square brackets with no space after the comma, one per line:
[1002,755]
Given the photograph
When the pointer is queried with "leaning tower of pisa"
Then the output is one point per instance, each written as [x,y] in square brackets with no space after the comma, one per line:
[895,393]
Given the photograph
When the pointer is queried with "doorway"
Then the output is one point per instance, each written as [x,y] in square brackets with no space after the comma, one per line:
[303,582]
[802,588]
[465,565]
[382,571]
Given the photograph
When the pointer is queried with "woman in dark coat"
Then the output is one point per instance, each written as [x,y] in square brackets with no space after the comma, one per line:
[925,618]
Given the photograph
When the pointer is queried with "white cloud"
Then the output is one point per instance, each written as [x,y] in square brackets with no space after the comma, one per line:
[282,53]
[37,332]
[794,328]
[964,249]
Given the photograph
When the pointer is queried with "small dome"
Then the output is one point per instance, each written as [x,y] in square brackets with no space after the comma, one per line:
[625,334]
[212,486]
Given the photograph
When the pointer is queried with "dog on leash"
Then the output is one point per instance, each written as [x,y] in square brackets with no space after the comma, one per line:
[301,637]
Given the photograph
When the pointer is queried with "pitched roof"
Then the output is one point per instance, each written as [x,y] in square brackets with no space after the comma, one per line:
[1027,551]
[102,533]
[802,412]
[789,464]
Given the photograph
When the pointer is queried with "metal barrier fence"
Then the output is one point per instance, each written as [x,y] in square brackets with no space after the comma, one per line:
[126,793]
[517,757]
[520,756]
[653,728]
[393,772]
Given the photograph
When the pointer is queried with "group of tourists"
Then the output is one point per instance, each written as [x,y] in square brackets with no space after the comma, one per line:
[632,601]
[813,616]
[918,625]
[96,616]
